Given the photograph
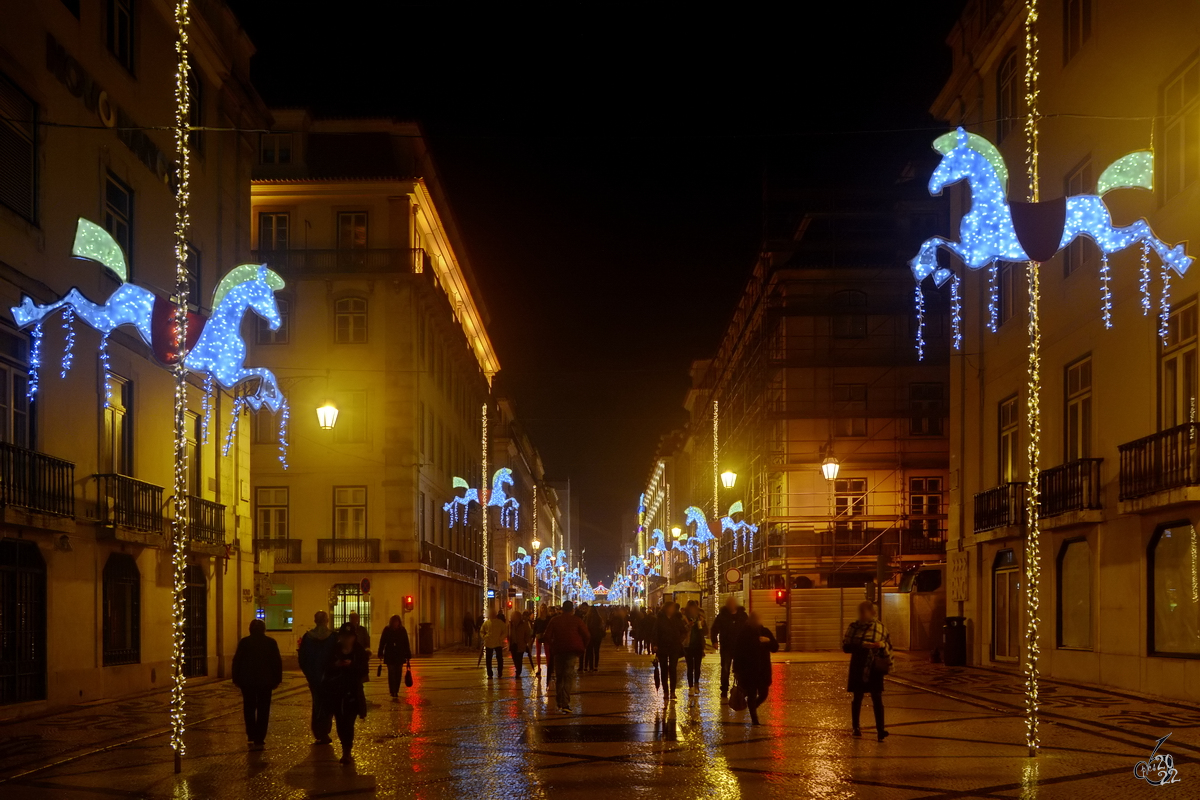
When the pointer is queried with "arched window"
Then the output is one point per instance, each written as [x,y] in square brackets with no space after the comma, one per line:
[849,314]
[1174,591]
[1075,595]
[22,622]
[350,320]
[1008,88]
[122,611]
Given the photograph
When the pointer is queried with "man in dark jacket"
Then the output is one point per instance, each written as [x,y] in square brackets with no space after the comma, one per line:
[345,672]
[567,637]
[257,669]
[752,662]
[725,629]
[315,647]
[395,651]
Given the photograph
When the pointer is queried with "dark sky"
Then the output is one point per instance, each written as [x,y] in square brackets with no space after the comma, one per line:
[607,168]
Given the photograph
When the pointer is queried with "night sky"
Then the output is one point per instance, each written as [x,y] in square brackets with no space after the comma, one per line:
[608,170]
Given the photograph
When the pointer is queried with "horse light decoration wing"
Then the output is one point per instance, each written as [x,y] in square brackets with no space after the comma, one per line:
[740,528]
[465,499]
[995,230]
[522,559]
[509,506]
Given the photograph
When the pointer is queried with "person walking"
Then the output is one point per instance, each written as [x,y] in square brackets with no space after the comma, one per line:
[520,636]
[870,648]
[693,648]
[345,672]
[752,662]
[617,622]
[395,651]
[669,634]
[567,637]
[468,628]
[635,617]
[539,634]
[595,626]
[725,630]
[315,647]
[257,670]
[493,633]
[362,636]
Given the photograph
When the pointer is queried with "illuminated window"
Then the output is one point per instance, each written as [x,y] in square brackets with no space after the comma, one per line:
[118,215]
[849,315]
[122,610]
[1079,409]
[849,409]
[1181,130]
[275,148]
[925,408]
[116,449]
[272,231]
[119,31]
[271,510]
[277,608]
[925,506]
[1009,424]
[348,598]
[1174,591]
[849,502]
[350,512]
[18,150]
[351,425]
[352,230]
[1075,595]
[1006,607]
[263,332]
[1009,89]
[1081,251]
[1177,368]
[1077,26]
[350,320]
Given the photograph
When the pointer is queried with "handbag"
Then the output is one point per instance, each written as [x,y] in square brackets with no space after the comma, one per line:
[881,664]
[737,698]
[408,675]
[379,669]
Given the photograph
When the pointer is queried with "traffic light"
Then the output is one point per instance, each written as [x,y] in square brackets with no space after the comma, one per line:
[781,596]
[510,606]
[408,602]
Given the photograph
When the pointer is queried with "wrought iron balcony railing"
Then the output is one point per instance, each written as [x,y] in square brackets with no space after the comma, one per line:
[130,503]
[1160,461]
[312,262]
[205,521]
[347,551]
[287,551]
[1074,486]
[1000,507]
[36,481]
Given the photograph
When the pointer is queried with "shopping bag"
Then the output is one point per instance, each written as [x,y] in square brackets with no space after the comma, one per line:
[737,698]
[408,675]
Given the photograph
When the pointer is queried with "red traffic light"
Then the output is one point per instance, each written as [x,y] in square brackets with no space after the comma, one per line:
[781,596]
[510,606]
[408,602]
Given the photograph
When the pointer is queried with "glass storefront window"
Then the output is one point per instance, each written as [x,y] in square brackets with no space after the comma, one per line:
[1075,595]
[1175,591]
[277,612]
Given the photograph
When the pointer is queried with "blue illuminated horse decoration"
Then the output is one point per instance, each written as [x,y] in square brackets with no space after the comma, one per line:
[214,345]
[696,515]
[522,559]
[544,569]
[509,507]
[996,230]
[464,500]
[658,542]
[740,529]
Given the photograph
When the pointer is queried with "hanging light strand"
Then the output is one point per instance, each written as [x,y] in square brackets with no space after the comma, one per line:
[1144,282]
[1105,290]
[35,362]
[920,298]
[284,418]
[207,408]
[483,508]
[956,310]
[1164,305]
[993,297]
[68,324]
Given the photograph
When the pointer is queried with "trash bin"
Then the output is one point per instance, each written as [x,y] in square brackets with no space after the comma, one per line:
[781,633]
[425,639]
[954,642]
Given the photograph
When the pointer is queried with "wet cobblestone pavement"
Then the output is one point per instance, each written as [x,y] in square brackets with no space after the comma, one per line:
[955,733]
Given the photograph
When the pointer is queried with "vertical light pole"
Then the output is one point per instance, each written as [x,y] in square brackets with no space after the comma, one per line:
[714,544]
[483,509]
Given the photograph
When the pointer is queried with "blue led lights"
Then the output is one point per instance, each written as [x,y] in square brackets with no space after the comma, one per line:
[740,529]
[509,507]
[68,324]
[465,499]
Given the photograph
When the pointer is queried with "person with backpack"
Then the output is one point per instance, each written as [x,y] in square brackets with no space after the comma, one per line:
[315,647]
[394,650]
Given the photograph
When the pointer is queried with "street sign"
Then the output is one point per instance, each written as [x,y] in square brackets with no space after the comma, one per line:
[733,575]
[491,594]
[365,586]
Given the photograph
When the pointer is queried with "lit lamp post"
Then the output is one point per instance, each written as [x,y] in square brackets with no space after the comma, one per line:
[728,480]
[830,466]
[327,415]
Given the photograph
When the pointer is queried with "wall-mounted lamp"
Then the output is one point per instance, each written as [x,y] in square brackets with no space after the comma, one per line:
[327,415]
[728,479]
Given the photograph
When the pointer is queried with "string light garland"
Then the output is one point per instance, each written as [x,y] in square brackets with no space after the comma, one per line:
[68,355]
[1105,291]
[207,408]
[993,297]
[105,369]
[471,495]
[740,529]
[284,418]
[238,403]
[956,311]
[510,508]
[487,556]
[1144,281]
[714,551]
[1164,306]
[35,362]
[920,302]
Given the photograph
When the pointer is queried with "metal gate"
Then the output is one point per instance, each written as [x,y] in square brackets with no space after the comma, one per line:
[195,624]
[348,598]
[22,622]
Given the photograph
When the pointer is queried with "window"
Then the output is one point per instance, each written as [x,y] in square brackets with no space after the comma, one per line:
[352,230]
[194,469]
[122,610]
[352,418]
[1006,287]
[1077,26]
[118,215]
[119,32]
[1080,252]
[1079,410]
[116,451]
[350,320]
[22,622]
[348,599]
[850,315]
[350,512]
[925,506]
[1009,424]
[275,148]
[1075,595]
[1006,607]
[18,150]
[1177,369]
[265,428]
[272,512]
[263,332]
[276,610]
[272,231]
[195,623]
[850,409]
[192,265]
[16,423]
[849,502]
[1009,89]
[422,534]
[195,111]
[1174,593]
[925,404]
[1181,130]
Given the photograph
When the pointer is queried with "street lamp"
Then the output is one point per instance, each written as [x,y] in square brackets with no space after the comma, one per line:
[536,544]
[327,415]
[728,478]
[676,531]
[829,467]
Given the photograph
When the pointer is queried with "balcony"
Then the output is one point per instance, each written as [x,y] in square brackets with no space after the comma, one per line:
[287,551]
[347,551]
[1069,488]
[205,522]
[1001,507]
[35,483]
[296,263]
[127,504]
[450,561]
[1162,462]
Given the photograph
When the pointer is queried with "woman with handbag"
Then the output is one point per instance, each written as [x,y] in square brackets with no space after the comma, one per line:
[345,671]
[870,650]
[671,632]
[693,648]
[394,650]
[752,665]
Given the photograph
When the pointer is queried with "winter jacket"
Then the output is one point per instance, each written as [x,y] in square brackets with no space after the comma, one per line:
[393,645]
[567,633]
[314,651]
[595,624]
[669,634]
[725,629]
[493,632]
[697,632]
[343,679]
[520,634]
[539,626]
[864,676]
[256,663]
[362,637]
[752,658]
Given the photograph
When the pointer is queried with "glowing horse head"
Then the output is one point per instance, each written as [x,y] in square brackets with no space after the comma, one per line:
[696,515]
[509,506]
